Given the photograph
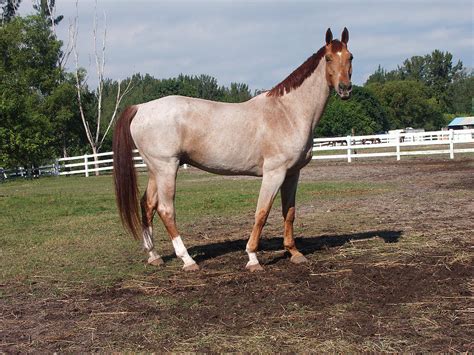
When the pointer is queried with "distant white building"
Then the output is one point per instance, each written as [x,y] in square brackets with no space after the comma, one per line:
[406,130]
[462,123]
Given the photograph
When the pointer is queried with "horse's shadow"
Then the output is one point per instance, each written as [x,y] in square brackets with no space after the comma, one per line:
[307,245]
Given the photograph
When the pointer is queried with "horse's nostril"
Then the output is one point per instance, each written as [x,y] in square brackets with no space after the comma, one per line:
[345,87]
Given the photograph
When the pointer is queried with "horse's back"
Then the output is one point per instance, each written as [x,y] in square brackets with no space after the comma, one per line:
[219,137]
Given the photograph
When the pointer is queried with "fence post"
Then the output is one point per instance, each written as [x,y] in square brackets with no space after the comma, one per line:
[56,167]
[451,143]
[349,157]
[86,165]
[397,136]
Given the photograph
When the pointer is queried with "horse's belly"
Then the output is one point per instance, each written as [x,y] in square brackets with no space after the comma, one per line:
[224,162]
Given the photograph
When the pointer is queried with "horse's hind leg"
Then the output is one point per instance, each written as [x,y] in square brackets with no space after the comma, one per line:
[166,186]
[149,203]
[288,196]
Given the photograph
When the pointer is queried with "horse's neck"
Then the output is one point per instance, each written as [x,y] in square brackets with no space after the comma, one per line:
[307,102]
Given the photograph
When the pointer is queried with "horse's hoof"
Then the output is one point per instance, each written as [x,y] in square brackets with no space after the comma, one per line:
[192,267]
[254,267]
[298,259]
[155,261]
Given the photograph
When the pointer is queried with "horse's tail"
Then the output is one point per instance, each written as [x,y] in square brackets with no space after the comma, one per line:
[125,178]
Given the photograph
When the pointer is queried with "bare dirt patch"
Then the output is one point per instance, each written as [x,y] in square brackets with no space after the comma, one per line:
[390,271]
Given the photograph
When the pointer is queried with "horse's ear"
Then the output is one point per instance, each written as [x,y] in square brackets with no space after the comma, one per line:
[345,36]
[328,36]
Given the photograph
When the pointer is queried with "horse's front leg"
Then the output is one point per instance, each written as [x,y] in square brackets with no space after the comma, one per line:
[288,197]
[271,182]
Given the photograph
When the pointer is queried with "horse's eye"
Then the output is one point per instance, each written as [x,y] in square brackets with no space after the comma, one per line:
[351,57]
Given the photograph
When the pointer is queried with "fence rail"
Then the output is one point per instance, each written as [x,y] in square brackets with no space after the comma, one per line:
[348,148]
[91,163]
[21,172]
[395,145]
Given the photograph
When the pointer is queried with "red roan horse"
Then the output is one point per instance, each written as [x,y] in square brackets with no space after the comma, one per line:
[270,135]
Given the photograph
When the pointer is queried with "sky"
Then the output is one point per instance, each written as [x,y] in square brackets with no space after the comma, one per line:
[259,42]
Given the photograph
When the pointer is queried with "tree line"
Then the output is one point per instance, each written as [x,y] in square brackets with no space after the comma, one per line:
[424,92]
[45,109]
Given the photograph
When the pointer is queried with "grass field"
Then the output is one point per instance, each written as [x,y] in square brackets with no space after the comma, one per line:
[380,277]
[68,228]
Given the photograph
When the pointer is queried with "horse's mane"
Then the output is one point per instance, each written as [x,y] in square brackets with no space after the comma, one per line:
[296,78]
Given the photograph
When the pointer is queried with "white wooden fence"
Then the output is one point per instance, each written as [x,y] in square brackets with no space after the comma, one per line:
[21,172]
[395,145]
[350,147]
[90,164]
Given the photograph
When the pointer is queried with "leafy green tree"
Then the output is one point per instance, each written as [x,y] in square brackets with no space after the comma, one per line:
[413,69]
[378,77]
[372,107]
[237,92]
[381,76]
[362,114]
[208,88]
[408,104]
[436,70]
[440,73]
[28,76]
[62,109]
[460,93]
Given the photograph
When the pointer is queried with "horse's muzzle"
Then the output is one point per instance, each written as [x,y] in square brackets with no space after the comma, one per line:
[344,90]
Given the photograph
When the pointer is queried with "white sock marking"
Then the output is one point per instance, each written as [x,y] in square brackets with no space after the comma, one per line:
[181,251]
[153,256]
[147,240]
[252,258]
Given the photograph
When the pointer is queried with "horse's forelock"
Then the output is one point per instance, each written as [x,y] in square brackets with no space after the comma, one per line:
[336,46]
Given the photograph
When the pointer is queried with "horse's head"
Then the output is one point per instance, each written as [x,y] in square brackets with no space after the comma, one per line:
[339,64]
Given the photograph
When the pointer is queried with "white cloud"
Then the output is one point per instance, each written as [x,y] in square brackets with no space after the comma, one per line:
[260,42]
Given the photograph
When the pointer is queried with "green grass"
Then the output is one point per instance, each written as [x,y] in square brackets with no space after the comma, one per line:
[67,228]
